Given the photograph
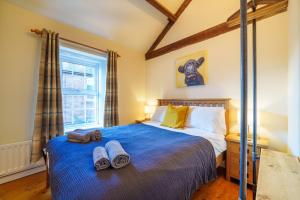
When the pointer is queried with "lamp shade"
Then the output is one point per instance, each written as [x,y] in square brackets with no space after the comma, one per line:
[147,109]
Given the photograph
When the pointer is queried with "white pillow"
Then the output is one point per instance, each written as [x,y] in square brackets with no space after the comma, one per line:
[210,119]
[159,113]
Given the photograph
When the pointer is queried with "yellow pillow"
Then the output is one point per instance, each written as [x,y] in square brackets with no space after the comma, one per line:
[175,116]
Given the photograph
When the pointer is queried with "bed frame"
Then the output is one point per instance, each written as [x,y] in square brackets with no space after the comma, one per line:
[188,102]
[224,102]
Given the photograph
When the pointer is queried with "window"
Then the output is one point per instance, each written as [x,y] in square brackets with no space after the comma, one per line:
[83,77]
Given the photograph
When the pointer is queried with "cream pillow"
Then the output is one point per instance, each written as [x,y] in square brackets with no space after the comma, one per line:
[159,113]
[211,119]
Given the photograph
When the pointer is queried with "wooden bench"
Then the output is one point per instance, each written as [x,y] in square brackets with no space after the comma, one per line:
[279,176]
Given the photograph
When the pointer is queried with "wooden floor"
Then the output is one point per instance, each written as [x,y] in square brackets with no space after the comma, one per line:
[32,187]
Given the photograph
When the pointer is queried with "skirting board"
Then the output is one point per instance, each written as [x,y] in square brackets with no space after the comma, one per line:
[22,174]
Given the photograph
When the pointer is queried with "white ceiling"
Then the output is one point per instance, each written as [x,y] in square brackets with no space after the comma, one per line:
[132,23]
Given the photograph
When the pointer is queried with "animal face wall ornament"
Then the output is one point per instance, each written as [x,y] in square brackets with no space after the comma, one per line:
[192,70]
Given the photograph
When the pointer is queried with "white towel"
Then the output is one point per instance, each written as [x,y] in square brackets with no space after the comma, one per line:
[117,155]
[100,157]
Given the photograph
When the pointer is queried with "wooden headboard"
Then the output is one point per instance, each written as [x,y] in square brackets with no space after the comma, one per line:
[201,102]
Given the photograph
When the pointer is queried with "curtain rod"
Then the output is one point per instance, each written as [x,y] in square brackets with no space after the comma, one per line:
[39,32]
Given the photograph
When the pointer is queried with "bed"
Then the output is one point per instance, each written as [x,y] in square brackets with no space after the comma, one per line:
[165,163]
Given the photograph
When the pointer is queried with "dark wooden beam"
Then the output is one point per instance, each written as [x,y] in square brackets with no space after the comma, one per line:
[198,37]
[169,25]
[211,32]
[182,8]
[161,36]
[266,11]
[250,5]
[162,9]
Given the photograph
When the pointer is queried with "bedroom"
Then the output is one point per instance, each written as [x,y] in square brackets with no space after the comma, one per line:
[129,27]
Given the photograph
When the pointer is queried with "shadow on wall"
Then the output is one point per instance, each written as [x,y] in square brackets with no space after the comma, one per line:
[273,126]
[130,110]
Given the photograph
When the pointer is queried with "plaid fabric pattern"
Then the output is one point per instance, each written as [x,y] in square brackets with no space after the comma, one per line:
[111,115]
[48,121]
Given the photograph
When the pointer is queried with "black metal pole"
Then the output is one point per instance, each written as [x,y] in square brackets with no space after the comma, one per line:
[244,102]
[254,77]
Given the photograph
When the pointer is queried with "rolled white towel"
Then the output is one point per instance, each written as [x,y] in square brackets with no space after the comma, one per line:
[117,155]
[100,157]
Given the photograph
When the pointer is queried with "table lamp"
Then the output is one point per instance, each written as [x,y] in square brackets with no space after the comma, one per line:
[250,120]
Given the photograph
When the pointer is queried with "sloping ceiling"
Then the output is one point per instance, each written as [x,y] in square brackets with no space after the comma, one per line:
[200,15]
[132,23]
[172,5]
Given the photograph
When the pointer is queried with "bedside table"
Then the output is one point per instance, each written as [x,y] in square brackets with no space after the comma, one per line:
[233,156]
[138,121]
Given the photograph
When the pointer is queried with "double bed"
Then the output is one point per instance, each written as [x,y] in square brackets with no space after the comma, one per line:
[165,163]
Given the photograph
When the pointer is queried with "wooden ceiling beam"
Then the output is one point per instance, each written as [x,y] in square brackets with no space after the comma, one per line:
[198,37]
[250,5]
[169,25]
[183,6]
[162,9]
[271,9]
[222,28]
[161,36]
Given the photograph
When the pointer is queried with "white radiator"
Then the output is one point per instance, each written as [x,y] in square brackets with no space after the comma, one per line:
[15,158]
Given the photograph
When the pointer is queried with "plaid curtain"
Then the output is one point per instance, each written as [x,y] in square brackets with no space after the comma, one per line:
[111,115]
[48,121]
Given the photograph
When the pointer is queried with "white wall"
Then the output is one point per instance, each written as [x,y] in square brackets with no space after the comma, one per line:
[19,57]
[294,77]
[19,54]
[224,65]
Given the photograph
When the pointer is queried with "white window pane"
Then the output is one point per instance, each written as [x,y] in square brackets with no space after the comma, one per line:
[67,117]
[78,117]
[91,102]
[82,88]
[90,71]
[90,80]
[78,81]
[67,80]
[67,102]
[78,69]
[67,66]
[78,102]
[90,115]
[90,83]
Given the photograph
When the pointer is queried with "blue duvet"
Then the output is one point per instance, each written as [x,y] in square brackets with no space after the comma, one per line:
[164,165]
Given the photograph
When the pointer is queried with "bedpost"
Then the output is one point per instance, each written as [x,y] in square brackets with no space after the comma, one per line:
[244,95]
[254,77]
[46,159]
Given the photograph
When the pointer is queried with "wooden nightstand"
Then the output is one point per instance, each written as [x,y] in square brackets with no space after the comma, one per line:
[138,121]
[233,156]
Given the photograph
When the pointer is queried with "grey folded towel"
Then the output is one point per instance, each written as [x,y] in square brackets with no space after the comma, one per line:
[117,155]
[84,136]
[100,158]
[96,135]
[78,137]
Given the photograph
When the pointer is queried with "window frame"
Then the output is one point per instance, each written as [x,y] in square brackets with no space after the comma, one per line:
[73,55]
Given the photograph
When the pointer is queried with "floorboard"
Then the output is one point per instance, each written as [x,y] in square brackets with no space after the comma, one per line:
[33,187]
